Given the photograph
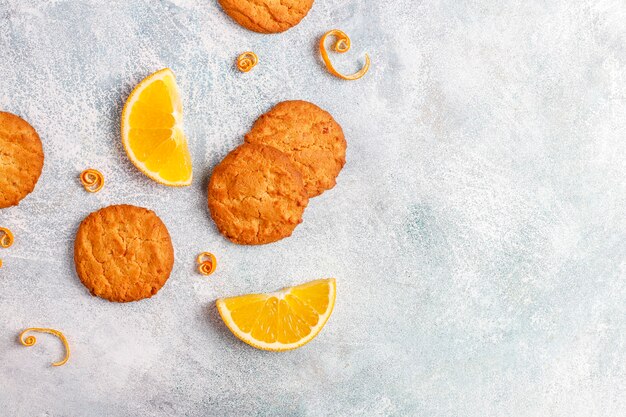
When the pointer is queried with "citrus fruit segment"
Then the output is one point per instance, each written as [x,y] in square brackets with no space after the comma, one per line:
[282,320]
[152,130]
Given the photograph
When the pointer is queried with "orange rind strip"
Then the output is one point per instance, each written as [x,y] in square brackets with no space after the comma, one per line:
[247,61]
[341,46]
[6,238]
[206,266]
[31,340]
[92,180]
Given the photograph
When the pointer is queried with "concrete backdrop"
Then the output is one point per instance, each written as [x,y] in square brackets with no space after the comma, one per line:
[477,232]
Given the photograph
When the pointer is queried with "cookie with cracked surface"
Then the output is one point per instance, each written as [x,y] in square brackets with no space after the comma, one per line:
[310,136]
[256,195]
[21,159]
[267,16]
[123,253]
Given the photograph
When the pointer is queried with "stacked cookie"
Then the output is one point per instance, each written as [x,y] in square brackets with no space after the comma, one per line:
[258,193]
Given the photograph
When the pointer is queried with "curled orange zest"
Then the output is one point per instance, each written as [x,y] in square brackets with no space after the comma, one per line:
[247,61]
[206,266]
[31,340]
[6,238]
[92,180]
[342,45]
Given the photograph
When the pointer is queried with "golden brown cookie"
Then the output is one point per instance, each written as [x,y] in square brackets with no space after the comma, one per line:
[123,253]
[309,136]
[21,159]
[267,16]
[256,195]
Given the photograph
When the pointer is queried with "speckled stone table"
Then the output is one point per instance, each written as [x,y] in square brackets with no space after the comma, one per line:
[477,232]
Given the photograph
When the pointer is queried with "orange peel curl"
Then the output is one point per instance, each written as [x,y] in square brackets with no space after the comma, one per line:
[6,238]
[207,263]
[92,180]
[247,61]
[341,46]
[31,340]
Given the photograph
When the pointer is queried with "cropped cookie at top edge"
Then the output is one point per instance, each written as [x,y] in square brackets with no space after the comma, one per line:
[21,159]
[256,195]
[310,136]
[267,16]
[123,253]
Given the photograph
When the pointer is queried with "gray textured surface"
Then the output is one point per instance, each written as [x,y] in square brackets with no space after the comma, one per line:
[477,231]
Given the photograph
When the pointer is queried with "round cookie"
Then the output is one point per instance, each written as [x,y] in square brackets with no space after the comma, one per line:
[21,159]
[309,136]
[256,195]
[267,16]
[123,253]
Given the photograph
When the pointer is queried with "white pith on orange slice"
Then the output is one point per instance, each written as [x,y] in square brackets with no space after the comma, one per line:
[152,130]
[282,320]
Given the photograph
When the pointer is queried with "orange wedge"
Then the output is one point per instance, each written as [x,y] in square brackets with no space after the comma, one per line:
[152,130]
[282,320]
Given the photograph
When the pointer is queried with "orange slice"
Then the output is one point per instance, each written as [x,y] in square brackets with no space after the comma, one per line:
[282,320]
[152,130]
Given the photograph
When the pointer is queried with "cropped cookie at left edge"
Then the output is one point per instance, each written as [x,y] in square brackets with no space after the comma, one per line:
[123,253]
[21,159]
